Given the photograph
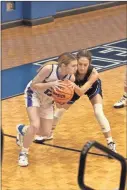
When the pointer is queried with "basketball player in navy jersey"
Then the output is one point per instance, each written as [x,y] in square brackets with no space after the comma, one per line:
[87,78]
[87,82]
[39,102]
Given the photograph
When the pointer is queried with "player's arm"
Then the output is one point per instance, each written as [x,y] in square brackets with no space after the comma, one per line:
[92,78]
[77,89]
[38,82]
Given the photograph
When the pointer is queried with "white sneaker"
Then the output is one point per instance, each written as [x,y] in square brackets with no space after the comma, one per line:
[39,139]
[23,159]
[121,103]
[21,130]
[112,146]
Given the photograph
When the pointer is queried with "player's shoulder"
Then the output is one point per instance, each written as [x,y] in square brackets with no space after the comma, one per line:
[72,78]
[49,65]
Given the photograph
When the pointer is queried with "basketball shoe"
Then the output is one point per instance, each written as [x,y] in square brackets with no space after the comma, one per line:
[112,146]
[21,130]
[39,139]
[121,103]
[23,159]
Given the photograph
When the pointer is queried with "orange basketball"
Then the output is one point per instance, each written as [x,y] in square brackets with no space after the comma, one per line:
[65,93]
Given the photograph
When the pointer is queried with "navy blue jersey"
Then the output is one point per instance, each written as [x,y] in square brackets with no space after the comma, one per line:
[80,82]
[93,91]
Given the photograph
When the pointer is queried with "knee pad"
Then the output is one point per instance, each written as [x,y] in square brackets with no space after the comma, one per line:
[102,120]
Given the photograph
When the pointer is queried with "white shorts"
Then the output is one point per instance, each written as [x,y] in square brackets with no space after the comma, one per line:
[44,103]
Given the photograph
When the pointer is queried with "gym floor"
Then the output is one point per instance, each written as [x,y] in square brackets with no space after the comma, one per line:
[54,165]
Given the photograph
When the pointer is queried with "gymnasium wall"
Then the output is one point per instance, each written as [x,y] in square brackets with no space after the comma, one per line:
[13,15]
[32,10]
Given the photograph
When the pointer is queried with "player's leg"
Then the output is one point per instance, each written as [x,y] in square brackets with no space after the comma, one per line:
[46,118]
[45,131]
[102,120]
[57,114]
[25,134]
[28,136]
[60,109]
[123,101]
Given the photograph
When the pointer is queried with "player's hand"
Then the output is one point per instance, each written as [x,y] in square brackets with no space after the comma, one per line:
[70,84]
[57,85]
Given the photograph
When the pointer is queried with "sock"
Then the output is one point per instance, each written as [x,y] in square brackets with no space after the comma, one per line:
[109,139]
[26,150]
[25,129]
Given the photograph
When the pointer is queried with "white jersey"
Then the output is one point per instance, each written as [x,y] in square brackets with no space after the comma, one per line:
[53,76]
[44,96]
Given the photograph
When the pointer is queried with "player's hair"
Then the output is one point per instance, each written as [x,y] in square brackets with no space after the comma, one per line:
[84,53]
[64,58]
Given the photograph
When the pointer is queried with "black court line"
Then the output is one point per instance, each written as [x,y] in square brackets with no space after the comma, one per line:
[61,147]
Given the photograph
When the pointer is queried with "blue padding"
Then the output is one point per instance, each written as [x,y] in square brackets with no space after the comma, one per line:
[14,80]
[13,15]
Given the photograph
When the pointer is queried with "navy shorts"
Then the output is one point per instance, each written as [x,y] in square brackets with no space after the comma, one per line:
[93,91]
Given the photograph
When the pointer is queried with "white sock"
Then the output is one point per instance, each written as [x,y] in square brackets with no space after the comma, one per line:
[26,150]
[25,129]
[109,139]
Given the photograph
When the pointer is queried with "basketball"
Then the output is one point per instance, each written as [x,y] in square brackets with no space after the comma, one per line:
[65,93]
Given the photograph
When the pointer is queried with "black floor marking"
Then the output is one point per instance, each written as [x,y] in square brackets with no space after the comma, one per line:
[61,147]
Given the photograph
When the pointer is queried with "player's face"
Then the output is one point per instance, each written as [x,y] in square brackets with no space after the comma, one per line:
[83,64]
[71,68]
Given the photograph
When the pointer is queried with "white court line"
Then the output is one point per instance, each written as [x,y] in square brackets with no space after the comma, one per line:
[115,47]
[111,49]
[112,65]
[97,65]
[117,41]
[108,60]
[38,64]
[100,46]
[45,60]
[50,59]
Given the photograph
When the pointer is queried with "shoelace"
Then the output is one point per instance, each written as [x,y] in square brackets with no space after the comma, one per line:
[122,99]
[23,155]
[112,145]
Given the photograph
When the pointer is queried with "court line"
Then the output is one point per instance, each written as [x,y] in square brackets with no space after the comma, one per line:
[123,40]
[61,147]
[115,47]
[74,52]
[116,63]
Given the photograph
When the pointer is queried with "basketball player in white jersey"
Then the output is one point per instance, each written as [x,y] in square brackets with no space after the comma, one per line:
[123,101]
[87,82]
[39,102]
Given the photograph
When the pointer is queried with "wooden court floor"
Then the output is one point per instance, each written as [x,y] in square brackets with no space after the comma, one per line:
[53,168]
[23,45]
[56,168]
